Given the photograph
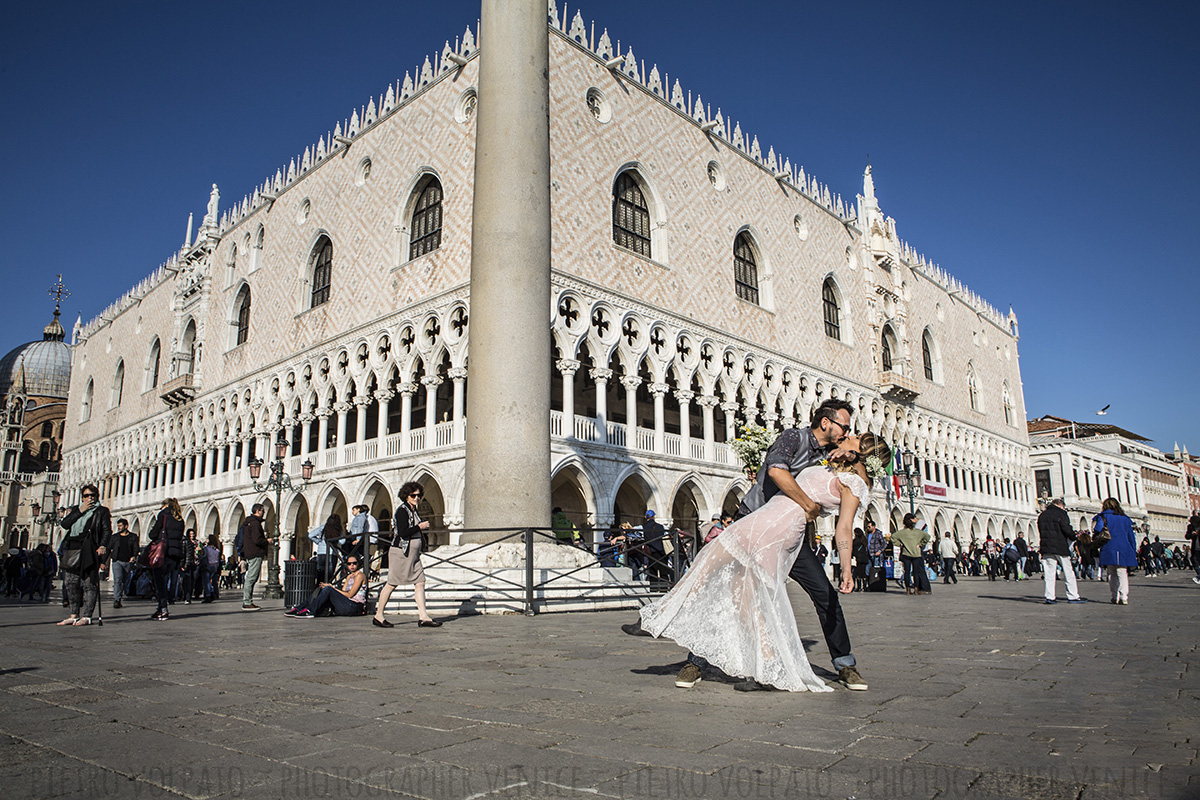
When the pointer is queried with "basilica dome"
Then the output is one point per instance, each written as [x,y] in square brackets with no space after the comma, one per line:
[46,366]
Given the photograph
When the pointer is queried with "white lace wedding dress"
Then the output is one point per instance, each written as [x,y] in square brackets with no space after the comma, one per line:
[732,606]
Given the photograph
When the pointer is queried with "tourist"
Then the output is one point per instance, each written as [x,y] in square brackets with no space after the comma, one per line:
[89,531]
[404,557]
[948,550]
[1055,534]
[210,569]
[860,553]
[125,547]
[912,545]
[348,601]
[1193,535]
[255,545]
[168,528]
[1119,554]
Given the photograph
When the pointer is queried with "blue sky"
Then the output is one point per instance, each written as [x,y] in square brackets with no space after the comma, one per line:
[1042,152]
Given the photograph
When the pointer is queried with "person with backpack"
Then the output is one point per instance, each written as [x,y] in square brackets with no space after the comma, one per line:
[255,546]
[210,568]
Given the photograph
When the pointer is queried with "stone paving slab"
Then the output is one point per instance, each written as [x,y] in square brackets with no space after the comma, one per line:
[978,691]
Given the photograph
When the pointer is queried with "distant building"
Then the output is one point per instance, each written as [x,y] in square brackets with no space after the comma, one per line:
[701,282]
[1191,475]
[34,381]
[1087,462]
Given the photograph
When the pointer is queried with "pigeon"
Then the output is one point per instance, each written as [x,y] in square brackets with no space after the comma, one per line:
[1103,412]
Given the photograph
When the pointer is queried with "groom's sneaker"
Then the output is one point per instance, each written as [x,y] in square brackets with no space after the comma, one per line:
[849,677]
[634,629]
[688,677]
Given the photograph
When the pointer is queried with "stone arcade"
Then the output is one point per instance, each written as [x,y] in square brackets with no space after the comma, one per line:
[697,283]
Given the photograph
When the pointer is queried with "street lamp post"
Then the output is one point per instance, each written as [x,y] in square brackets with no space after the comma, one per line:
[279,482]
[50,516]
[912,480]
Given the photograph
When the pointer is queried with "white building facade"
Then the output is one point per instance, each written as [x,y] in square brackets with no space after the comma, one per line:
[699,284]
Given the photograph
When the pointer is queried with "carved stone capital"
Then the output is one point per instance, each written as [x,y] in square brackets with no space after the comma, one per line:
[384,395]
[631,382]
[457,374]
[407,388]
[707,401]
[341,407]
[730,408]
[363,400]
[323,411]
[684,395]
[600,375]
[432,380]
[567,366]
[658,389]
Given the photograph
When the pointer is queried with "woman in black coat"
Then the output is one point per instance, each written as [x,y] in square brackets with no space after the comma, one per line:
[169,524]
[89,529]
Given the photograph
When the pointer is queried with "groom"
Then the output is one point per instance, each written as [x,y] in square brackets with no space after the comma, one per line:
[793,451]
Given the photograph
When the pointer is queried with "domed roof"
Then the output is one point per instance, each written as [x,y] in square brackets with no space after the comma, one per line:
[39,369]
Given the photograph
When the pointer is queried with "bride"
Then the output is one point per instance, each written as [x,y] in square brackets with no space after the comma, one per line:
[732,606]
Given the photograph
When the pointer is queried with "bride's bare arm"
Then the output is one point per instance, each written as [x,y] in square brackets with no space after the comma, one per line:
[843,536]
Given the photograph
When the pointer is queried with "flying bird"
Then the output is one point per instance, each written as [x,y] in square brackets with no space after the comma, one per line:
[1103,412]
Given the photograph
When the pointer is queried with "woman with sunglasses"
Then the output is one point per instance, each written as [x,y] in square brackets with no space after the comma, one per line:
[347,601]
[404,558]
[89,529]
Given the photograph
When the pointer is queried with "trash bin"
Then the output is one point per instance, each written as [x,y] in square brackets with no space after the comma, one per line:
[299,581]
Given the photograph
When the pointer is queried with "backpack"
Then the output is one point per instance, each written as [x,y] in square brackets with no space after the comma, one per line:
[1011,554]
[239,540]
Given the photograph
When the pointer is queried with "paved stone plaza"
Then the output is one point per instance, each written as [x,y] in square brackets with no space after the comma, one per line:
[978,691]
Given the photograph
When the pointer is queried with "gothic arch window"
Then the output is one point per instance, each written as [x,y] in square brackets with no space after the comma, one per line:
[927,351]
[256,254]
[187,364]
[631,215]
[745,268]
[85,408]
[888,350]
[47,430]
[832,310]
[1006,399]
[44,451]
[118,384]
[152,364]
[241,316]
[321,266]
[426,228]
[973,388]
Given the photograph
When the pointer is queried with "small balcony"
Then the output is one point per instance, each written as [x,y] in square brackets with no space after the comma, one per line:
[178,391]
[895,386]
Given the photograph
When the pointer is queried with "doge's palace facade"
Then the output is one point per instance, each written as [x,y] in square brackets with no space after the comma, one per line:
[699,283]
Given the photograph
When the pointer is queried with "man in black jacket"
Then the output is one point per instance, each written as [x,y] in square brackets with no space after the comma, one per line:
[1056,534]
[255,545]
[124,552]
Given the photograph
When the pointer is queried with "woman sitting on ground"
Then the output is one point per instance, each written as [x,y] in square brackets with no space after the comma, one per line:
[348,601]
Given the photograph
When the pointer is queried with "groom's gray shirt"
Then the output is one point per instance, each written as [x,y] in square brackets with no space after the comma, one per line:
[795,450]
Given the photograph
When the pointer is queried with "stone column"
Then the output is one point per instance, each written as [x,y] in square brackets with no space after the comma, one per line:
[431,382]
[507,471]
[342,409]
[360,429]
[730,410]
[210,460]
[658,391]
[631,382]
[459,376]
[568,367]
[707,403]
[384,397]
[769,420]
[601,377]
[306,421]
[323,429]
[684,396]
[222,456]
[407,390]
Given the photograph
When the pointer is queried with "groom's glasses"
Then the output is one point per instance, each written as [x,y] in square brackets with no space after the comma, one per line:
[845,429]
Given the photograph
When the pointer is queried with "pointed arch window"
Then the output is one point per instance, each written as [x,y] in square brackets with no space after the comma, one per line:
[832,310]
[1006,399]
[745,268]
[152,364]
[973,388]
[322,271]
[242,316]
[885,351]
[118,384]
[927,356]
[630,216]
[427,221]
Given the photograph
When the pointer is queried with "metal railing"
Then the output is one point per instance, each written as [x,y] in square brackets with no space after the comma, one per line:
[659,570]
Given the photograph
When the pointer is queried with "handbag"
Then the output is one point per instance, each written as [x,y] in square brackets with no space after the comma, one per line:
[1103,536]
[158,553]
[72,557]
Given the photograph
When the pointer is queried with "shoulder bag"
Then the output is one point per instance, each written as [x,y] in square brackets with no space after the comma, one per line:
[1102,536]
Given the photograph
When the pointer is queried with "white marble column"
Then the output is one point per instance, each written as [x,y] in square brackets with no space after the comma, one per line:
[360,419]
[431,383]
[601,377]
[407,390]
[507,469]
[658,391]
[383,397]
[684,396]
[323,429]
[459,376]
[631,382]
[730,409]
[707,402]
[568,367]
[306,421]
